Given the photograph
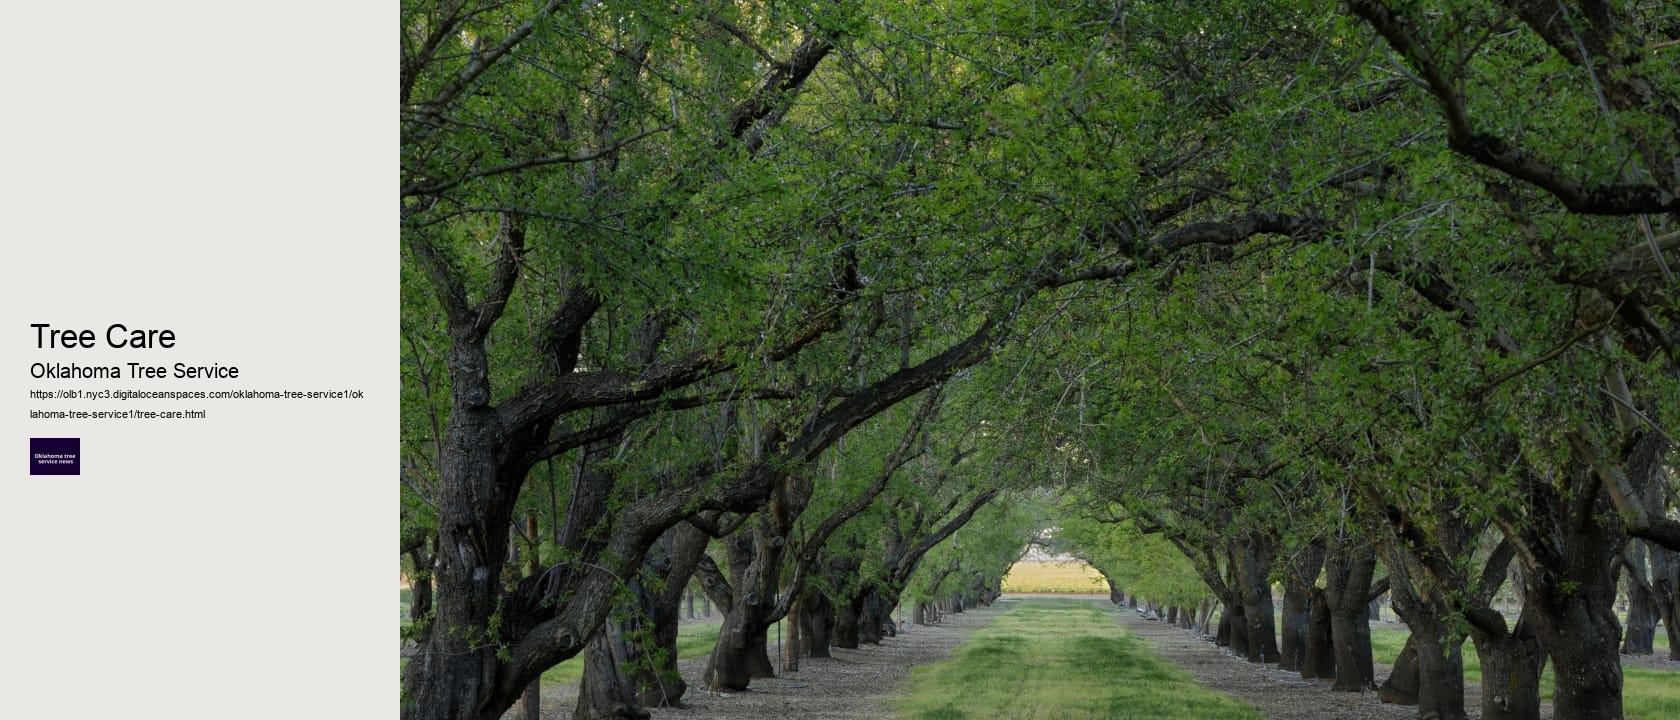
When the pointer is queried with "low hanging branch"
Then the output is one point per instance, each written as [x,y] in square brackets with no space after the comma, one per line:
[1636,517]
[806,555]
[907,564]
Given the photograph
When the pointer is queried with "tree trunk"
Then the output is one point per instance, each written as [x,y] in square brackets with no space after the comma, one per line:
[671,562]
[1319,660]
[658,682]
[608,689]
[1642,613]
[1665,584]
[1236,615]
[1421,598]
[643,643]
[420,586]
[919,616]
[1578,627]
[790,654]
[1511,667]
[1350,631]
[1297,624]
[457,673]
[609,692]
[1440,675]
[742,653]
[871,618]
[1297,605]
[1569,587]
[529,706]
[450,677]
[1401,687]
[1347,589]
[1433,677]
[845,626]
[816,620]
[1258,555]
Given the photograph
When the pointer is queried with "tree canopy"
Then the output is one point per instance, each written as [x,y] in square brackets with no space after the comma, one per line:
[1230,293]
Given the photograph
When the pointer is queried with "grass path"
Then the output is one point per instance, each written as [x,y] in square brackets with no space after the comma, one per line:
[1053,658]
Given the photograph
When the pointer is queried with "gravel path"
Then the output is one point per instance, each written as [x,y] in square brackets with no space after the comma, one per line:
[860,684]
[1280,694]
[1283,695]
[853,685]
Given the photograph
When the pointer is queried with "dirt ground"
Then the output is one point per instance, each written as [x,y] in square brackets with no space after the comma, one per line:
[1280,695]
[860,684]
[853,685]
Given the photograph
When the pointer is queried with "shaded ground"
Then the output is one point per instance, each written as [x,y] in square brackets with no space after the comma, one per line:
[1283,695]
[1280,695]
[853,685]
[860,684]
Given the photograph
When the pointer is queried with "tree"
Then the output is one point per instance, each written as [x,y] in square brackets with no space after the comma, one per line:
[572,279]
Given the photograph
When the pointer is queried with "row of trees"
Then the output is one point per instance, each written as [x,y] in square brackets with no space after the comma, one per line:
[1269,281]
[1474,382]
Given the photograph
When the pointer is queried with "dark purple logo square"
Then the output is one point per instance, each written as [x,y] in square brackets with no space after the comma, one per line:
[55,456]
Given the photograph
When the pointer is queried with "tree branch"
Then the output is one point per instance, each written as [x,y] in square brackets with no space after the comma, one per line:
[1497,153]
[439,186]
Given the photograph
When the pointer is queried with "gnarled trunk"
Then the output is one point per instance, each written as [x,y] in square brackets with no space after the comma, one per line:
[1665,584]
[1297,605]
[872,617]
[1578,627]
[1569,581]
[845,626]
[610,692]
[1347,591]
[1511,667]
[1319,660]
[1437,658]
[1235,625]
[1401,687]
[1255,569]
[637,652]
[816,623]
[1642,613]
[749,607]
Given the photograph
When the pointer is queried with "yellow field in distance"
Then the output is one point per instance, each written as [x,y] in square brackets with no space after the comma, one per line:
[1069,576]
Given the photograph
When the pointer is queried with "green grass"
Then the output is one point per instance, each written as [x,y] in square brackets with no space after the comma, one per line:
[1646,694]
[1052,658]
[1650,694]
[1053,577]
